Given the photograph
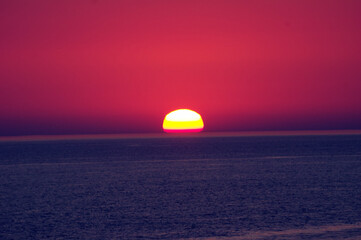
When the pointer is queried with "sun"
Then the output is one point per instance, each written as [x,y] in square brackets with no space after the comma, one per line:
[183,120]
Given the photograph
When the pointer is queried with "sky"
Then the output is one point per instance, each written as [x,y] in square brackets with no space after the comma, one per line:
[77,67]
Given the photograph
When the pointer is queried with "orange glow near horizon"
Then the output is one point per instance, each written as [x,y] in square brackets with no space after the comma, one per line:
[183,120]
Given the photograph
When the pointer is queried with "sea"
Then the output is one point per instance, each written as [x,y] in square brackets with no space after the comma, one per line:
[182,187]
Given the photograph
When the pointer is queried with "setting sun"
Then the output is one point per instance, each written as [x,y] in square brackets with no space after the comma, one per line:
[183,120]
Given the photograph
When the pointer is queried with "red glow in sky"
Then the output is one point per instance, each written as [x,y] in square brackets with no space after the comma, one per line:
[120,66]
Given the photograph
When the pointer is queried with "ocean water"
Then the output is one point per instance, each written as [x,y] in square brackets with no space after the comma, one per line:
[270,187]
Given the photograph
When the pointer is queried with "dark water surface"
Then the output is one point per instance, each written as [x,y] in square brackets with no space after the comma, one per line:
[285,187]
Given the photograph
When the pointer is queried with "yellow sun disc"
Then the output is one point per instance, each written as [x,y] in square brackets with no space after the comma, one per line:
[183,120]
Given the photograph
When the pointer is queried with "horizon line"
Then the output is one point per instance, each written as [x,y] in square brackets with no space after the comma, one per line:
[58,137]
